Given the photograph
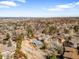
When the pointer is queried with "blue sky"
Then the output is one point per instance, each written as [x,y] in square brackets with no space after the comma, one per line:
[39,8]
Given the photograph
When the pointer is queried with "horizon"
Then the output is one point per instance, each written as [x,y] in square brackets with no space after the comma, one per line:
[39,8]
[39,17]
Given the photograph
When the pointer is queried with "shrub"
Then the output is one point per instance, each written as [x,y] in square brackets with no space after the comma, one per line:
[52,57]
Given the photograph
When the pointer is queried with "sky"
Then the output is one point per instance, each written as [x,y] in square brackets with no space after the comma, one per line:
[39,8]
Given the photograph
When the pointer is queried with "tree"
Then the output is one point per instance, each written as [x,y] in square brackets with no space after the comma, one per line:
[30,31]
[66,31]
[9,43]
[18,53]
[76,28]
[52,30]
[0,55]
[6,39]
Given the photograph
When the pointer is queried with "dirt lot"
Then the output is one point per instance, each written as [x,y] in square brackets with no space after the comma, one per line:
[71,53]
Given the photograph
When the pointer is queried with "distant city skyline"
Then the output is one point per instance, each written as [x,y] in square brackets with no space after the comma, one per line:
[39,8]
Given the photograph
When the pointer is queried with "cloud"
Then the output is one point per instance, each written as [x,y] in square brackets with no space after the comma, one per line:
[1,6]
[55,9]
[77,3]
[10,3]
[64,6]
[23,1]
[7,4]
